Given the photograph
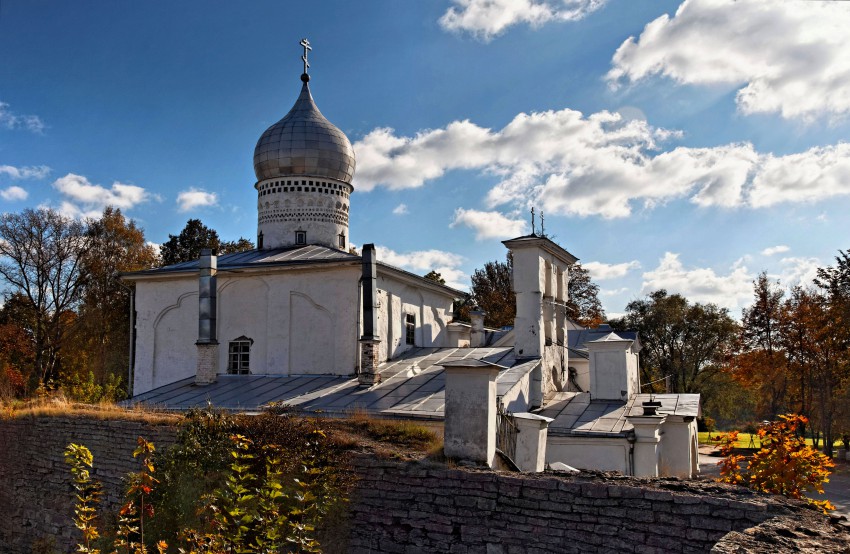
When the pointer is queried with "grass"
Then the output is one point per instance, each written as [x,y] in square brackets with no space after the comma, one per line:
[743,439]
[59,406]
[403,433]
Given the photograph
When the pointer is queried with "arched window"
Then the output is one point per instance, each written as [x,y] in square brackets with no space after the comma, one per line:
[239,356]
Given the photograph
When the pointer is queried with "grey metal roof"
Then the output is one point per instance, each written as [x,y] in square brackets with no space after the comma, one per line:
[412,386]
[304,143]
[292,255]
[575,413]
[577,339]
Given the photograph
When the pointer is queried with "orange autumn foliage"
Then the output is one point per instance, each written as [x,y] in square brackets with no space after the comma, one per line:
[784,465]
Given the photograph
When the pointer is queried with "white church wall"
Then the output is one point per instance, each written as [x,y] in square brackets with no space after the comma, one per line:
[597,453]
[397,299]
[166,331]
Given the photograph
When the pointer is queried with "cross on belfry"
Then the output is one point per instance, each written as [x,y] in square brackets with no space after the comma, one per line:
[306,44]
[533,228]
[542,228]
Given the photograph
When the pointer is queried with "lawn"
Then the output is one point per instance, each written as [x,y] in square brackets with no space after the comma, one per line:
[744,439]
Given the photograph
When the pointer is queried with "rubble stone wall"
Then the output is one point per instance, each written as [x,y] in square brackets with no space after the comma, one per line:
[419,507]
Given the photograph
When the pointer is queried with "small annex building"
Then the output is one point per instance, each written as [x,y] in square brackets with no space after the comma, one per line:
[303,320]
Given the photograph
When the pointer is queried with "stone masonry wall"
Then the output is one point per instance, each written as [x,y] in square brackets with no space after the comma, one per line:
[36,497]
[419,507]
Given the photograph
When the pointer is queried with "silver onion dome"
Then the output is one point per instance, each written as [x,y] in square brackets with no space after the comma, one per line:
[304,143]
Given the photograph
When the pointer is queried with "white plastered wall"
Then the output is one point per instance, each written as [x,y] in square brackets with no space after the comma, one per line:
[396,299]
[596,453]
[300,321]
[680,454]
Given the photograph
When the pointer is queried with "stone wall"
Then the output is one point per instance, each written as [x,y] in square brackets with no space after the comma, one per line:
[417,507]
[36,497]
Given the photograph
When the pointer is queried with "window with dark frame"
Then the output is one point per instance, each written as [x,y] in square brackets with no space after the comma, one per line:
[342,240]
[239,356]
[410,328]
[300,237]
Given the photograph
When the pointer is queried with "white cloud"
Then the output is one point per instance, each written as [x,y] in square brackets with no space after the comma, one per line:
[788,57]
[14,193]
[601,271]
[28,172]
[401,209]
[85,199]
[195,198]
[423,261]
[798,271]
[601,164]
[489,225]
[487,18]
[11,120]
[732,291]
[778,249]
[613,292]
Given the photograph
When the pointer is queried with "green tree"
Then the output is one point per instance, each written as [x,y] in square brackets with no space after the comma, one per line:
[231,246]
[493,292]
[433,275]
[583,305]
[187,246]
[688,342]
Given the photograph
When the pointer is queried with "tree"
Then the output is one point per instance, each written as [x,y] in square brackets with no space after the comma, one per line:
[760,364]
[102,330]
[232,246]
[40,256]
[492,291]
[433,275]
[583,305]
[688,342]
[187,246]
[784,465]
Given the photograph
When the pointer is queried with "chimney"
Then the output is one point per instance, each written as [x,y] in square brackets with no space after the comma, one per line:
[477,334]
[207,345]
[369,350]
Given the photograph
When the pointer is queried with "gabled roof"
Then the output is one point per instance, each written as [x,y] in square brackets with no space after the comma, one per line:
[578,337]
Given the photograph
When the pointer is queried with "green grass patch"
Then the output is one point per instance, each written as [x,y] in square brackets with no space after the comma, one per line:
[745,440]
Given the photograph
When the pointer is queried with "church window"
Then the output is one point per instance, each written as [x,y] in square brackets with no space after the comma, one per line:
[260,240]
[299,189]
[300,237]
[410,328]
[342,240]
[238,356]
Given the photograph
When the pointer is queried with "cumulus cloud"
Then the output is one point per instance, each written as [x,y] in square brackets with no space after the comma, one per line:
[81,198]
[601,164]
[601,271]
[787,57]
[422,261]
[188,200]
[798,271]
[14,193]
[401,209]
[613,292]
[489,225]
[778,249]
[11,120]
[28,172]
[733,290]
[487,18]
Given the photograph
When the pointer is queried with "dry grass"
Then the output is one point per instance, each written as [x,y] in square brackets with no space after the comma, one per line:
[59,406]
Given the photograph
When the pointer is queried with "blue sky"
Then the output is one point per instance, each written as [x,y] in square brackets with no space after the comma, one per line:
[678,145]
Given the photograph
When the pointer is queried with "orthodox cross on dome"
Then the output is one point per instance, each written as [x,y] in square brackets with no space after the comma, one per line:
[533,228]
[306,44]
[542,228]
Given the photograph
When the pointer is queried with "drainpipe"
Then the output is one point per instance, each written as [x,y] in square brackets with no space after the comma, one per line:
[631,438]
[131,356]
[358,356]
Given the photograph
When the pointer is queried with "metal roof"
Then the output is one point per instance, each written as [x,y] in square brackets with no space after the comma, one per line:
[575,413]
[412,386]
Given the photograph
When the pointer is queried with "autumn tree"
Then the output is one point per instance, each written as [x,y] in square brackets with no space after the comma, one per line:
[41,253]
[102,331]
[688,342]
[760,364]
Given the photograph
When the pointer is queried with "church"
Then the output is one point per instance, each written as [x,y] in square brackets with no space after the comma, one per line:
[302,320]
